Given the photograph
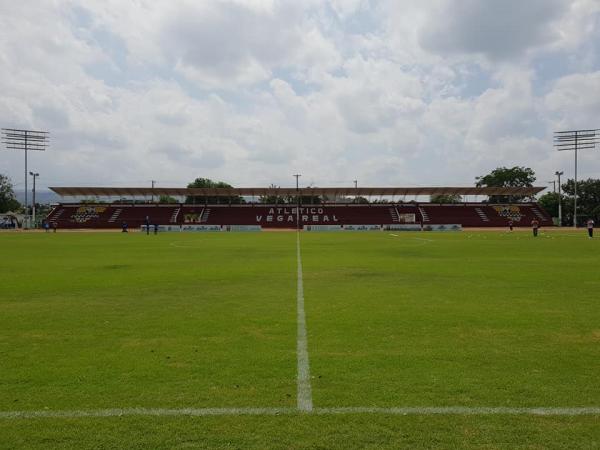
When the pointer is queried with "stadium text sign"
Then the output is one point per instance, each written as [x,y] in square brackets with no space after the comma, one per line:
[288,215]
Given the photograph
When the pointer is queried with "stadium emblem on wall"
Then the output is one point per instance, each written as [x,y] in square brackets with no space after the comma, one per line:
[509,212]
[87,213]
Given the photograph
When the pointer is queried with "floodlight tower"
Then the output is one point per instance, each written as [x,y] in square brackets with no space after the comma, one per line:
[558,174]
[576,140]
[26,140]
[34,175]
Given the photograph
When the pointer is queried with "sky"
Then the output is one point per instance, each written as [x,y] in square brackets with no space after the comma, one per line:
[385,92]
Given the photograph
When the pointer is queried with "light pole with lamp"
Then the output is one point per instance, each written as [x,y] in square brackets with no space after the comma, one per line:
[34,175]
[576,140]
[25,140]
[558,174]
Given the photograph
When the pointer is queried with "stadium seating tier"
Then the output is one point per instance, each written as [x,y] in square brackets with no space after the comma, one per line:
[284,216]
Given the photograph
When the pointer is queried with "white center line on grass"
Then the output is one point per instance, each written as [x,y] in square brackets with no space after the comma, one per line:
[423,239]
[305,403]
[176,244]
[464,411]
[162,412]
[201,412]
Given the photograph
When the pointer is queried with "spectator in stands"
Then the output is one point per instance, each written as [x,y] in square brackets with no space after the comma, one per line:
[124,227]
[510,224]
[147,223]
[535,225]
[590,228]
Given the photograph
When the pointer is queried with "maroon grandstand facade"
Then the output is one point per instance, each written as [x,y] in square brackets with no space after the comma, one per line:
[112,215]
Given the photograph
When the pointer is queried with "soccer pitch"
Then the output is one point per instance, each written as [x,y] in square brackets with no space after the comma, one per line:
[280,340]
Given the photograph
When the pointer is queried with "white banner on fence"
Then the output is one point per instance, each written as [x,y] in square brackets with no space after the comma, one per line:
[322,228]
[162,228]
[444,227]
[402,227]
[361,227]
[201,228]
[242,228]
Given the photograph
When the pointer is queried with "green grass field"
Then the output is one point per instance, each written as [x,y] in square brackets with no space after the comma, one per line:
[91,323]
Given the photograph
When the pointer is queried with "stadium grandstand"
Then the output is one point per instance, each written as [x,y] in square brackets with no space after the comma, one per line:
[305,208]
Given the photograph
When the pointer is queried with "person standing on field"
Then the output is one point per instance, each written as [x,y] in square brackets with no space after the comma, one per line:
[535,225]
[590,228]
[510,225]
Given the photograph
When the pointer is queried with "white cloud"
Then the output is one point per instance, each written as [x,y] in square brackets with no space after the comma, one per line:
[498,30]
[345,8]
[574,101]
[252,91]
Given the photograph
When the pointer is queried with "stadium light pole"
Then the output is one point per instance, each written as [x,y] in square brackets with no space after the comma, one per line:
[297,175]
[16,139]
[558,174]
[576,140]
[34,175]
[355,184]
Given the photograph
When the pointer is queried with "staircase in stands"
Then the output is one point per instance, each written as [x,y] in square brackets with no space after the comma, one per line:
[174,216]
[424,214]
[205,214]
[482,215]
[115,215]
[54,219]
[538,213]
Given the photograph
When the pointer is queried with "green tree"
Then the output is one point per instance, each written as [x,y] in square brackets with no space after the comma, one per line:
[508,177]
[272,199]
[89,201]
[360,200]
[588,199]
[443,198]
[167,199]
[8,201]
[208,183]
[42,210]
[289,199]
[549,201]
[309,200]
